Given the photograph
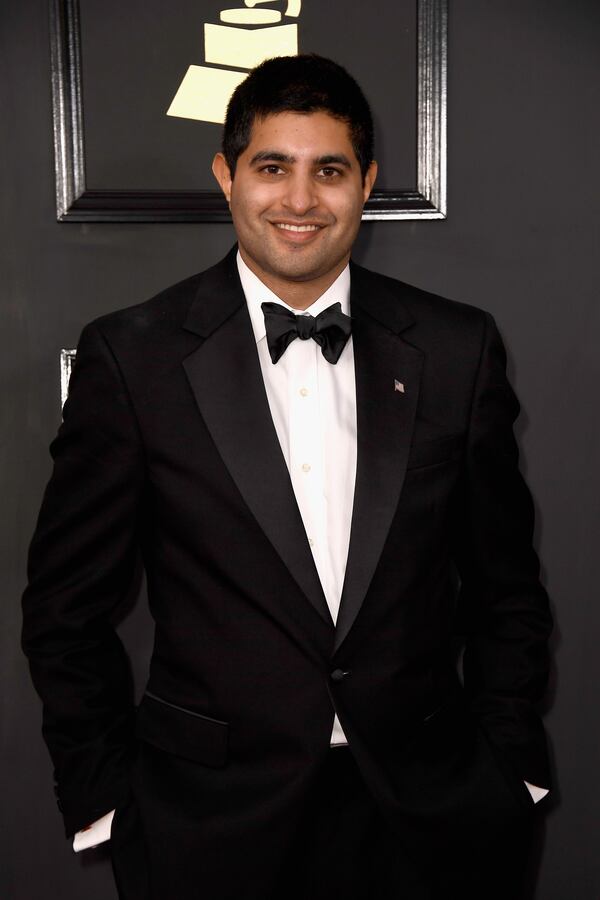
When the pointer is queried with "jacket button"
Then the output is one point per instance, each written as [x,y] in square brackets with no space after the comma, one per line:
[339,674]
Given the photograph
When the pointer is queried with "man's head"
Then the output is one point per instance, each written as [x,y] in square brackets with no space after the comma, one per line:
[296,169]
[300,84]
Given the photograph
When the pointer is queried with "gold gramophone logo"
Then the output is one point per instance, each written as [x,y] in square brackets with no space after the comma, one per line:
[245,37]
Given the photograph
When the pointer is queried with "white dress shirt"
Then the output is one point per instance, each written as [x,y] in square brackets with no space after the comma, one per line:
[313,407]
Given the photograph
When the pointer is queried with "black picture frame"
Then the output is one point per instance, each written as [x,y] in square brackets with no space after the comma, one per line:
[76,202]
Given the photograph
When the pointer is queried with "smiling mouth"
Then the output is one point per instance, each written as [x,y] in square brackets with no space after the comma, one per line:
[296,228]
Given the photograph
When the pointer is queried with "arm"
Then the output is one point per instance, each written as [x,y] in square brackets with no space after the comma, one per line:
[503,609]
[82,562]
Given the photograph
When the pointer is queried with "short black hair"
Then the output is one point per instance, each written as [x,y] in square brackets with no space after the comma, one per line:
[305,83]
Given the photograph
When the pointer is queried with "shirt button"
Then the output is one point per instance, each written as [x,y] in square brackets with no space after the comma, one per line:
[306,467]
[304,392]
[311,542]
[339,674]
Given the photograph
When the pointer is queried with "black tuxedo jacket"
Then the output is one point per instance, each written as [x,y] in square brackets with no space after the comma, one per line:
[168,447]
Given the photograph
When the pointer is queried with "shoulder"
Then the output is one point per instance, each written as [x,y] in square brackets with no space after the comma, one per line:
[426,311]
[165,313]
[421,304]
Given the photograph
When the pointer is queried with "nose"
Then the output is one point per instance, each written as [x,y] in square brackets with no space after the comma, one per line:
[301,194]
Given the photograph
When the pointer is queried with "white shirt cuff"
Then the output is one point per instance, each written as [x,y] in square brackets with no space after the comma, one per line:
[537,793]
[96,833]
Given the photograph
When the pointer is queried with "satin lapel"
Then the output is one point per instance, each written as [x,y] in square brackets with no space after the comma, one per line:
[224,373]
[388,372]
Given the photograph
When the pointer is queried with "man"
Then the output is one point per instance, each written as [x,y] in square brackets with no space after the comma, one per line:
[318,465]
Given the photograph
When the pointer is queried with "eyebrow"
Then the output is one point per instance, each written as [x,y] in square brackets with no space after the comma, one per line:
[277,156]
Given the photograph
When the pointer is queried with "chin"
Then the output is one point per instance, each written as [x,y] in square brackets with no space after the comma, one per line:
[297,273]
[294,268]
[300,268]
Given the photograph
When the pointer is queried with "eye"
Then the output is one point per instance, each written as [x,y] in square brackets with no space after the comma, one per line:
[328,172]
[271,169]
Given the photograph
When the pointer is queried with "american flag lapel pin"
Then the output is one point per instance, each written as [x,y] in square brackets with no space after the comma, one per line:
[398,386]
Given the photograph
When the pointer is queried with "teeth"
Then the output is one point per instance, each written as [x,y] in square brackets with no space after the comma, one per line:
[297,227]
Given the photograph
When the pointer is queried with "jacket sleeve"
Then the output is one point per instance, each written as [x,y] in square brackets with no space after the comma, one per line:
[82,563]
[503,609]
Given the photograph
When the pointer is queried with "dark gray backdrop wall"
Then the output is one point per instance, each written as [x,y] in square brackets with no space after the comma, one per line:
[521,240]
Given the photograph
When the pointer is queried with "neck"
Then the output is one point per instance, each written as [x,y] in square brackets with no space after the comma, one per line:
[297,294]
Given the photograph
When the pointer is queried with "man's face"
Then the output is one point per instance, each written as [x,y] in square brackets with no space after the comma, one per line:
[297,197]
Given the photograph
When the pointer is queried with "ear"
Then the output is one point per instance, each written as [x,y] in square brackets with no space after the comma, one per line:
[370,176]
[222,174]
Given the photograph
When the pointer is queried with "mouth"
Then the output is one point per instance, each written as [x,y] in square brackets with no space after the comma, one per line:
[296,228]
[298,234]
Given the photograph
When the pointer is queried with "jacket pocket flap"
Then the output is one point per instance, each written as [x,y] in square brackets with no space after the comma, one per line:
[429,453]
[182,732]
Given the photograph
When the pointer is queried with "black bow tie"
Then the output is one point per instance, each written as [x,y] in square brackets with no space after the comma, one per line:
[330,329]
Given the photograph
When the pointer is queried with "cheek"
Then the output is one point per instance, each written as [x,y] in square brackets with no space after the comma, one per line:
[243,217]
[251,207]
[349,204]
[349,213]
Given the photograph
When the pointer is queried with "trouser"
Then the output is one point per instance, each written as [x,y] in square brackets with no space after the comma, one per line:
[343,849]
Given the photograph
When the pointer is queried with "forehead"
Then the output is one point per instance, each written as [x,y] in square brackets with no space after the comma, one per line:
[300,134]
